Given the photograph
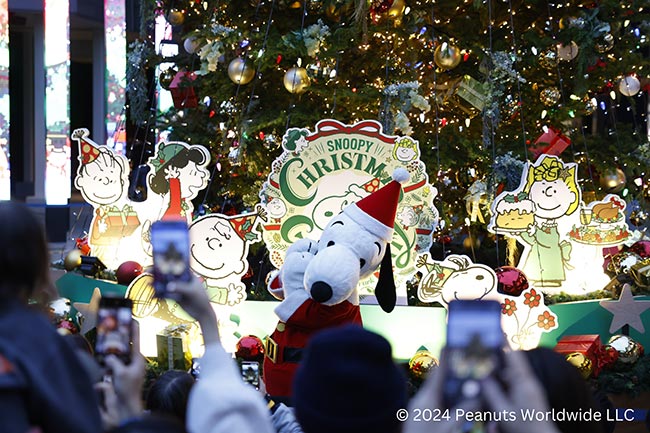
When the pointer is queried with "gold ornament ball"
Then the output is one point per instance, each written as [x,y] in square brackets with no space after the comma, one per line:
[72,260]
[166,77]
[550,96]
[240,71]
[613,180]
[471,242]
[629,86]
[582,363]
[447,56]
[421,364]
[175,17]
[296,80]
[605,43]
[629,351]
[548,59]
[397,9]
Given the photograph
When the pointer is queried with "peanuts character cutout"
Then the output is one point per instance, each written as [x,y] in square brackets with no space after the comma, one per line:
[552,187]
[524,315]
[102,178]
[218,248]
[179,173]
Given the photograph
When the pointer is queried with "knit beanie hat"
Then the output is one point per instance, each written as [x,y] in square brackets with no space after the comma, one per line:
[348,382]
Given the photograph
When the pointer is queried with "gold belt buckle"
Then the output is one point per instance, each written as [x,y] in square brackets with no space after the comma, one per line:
[271,349]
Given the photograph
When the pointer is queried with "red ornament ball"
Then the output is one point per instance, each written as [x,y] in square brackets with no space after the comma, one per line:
[641,248]
[511,281]
[250,348]
[127,272]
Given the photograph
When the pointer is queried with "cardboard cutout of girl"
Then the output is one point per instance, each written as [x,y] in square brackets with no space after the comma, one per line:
[179,174]
[553,187]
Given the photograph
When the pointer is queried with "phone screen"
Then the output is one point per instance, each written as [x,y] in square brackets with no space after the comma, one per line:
[250,372]
[114,329]
[474,348]
[170,244]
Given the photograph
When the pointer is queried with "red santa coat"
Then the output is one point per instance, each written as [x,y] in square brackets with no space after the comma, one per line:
[290,337]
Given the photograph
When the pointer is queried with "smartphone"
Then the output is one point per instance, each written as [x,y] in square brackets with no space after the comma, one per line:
[250,372]
[474,349]
[170,243]
[114,329]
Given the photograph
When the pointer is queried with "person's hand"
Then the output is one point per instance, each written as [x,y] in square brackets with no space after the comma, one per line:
[524,393]
[109,409]
[426,412]
[128,380]
[193,298]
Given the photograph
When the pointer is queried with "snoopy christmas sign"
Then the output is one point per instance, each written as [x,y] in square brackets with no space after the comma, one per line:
[321,172]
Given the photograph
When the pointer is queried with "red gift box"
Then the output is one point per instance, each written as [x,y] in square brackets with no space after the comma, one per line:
[182,90]
[589,345]
[551,142]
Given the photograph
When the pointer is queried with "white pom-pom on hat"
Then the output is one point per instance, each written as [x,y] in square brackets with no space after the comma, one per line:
[401,175]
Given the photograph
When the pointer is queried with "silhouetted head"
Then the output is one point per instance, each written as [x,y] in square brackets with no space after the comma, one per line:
[565,389]
[24,254]
[169,394]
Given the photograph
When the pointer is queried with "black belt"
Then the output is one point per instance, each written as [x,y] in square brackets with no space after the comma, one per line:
[289,354]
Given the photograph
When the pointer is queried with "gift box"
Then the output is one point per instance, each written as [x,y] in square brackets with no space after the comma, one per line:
[551,142]
[470,92]
[588,345]
[121,222]
[640,273]
[172,353]
[183,93]
[173,347]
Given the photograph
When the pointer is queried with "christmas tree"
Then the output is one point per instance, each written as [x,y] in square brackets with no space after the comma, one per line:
[477,83]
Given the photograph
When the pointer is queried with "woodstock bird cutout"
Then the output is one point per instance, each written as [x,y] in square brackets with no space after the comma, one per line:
[320,279]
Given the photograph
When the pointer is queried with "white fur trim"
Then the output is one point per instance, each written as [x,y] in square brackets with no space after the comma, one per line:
[401,175]
[290,304]
[368,223]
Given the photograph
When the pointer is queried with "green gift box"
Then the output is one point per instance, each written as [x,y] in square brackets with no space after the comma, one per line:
[472,92]
[172,354]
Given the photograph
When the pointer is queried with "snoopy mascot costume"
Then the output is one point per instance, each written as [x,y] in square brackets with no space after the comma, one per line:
[318,280]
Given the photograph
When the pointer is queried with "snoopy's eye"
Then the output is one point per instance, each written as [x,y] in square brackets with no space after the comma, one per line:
[330,243]
[479,277]
[362,263]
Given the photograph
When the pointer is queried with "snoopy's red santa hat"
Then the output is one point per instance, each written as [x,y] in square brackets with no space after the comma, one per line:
[376,212]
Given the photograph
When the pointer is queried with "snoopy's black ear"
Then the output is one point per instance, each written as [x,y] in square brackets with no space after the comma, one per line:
[385,291]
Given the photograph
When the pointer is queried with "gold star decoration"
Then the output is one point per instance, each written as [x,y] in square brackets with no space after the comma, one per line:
[564,173]
[89,311]
[626,311]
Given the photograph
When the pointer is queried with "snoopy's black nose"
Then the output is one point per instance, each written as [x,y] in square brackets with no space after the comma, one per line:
[321,291]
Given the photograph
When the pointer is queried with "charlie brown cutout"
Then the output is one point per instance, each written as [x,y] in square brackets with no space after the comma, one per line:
[548,192]
[218,249]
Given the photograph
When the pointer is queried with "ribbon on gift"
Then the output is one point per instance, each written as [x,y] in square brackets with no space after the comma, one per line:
[556,143]
[588,345]
[369,128]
